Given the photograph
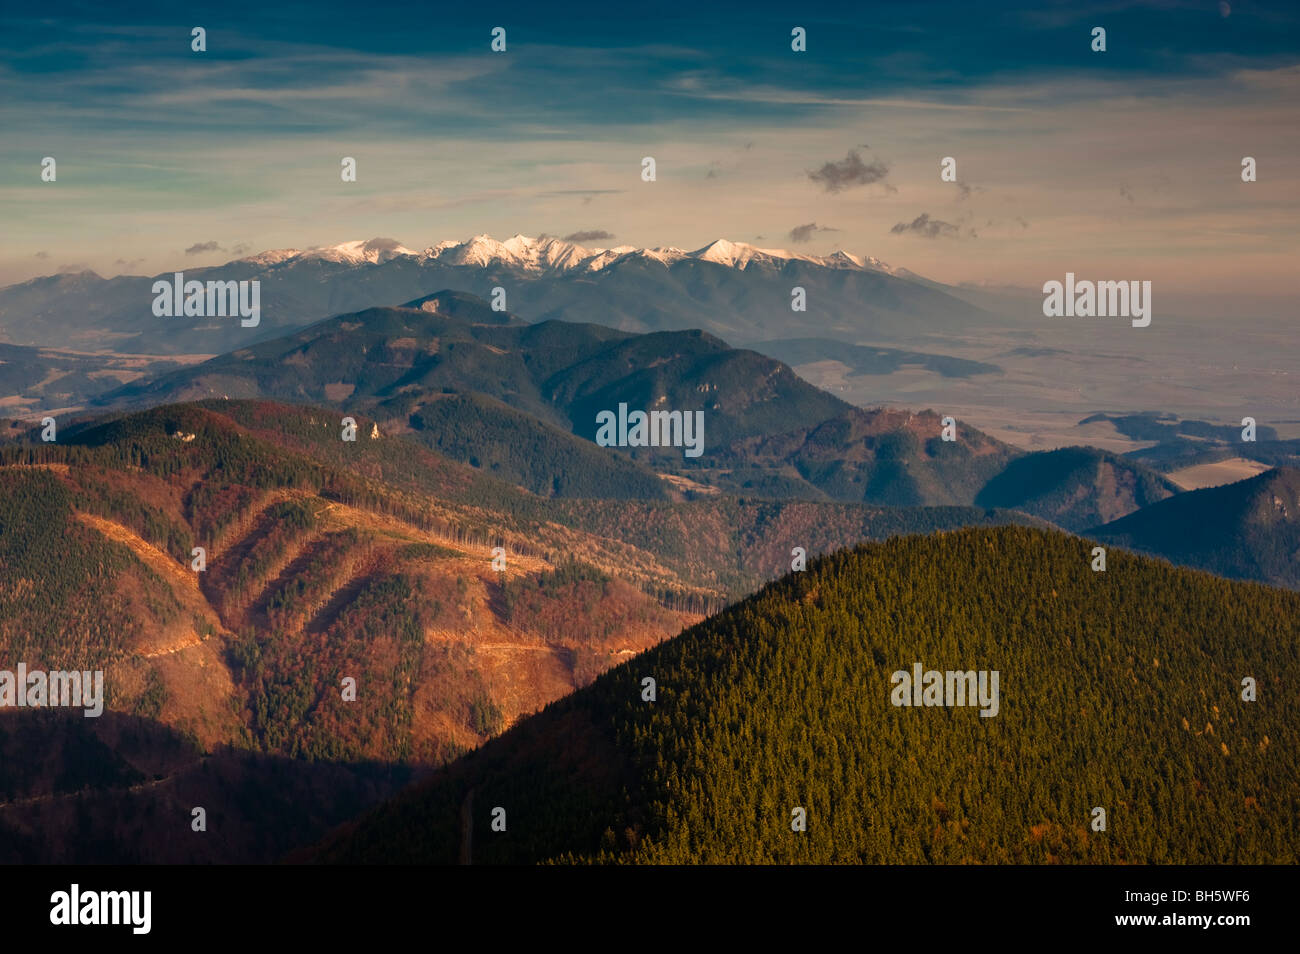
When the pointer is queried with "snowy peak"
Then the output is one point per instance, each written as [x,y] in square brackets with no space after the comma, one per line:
[722,252]
[546,252]
[479,250]
[273,256]
[664,254]
[520,251]
[376,251]
[740,254]
[373,251]
[843,259]
[600,259]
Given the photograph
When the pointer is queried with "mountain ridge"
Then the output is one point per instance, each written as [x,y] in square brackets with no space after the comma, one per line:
[734,290]
[768,431]
[547,252]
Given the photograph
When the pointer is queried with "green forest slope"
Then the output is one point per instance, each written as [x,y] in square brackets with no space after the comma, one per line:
[1120,690]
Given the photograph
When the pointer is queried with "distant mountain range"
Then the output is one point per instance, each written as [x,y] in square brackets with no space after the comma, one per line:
[728,289]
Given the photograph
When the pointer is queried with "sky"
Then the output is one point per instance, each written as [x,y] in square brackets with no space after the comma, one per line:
[1123,164]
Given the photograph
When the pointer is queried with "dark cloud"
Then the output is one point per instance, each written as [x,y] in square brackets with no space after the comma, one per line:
[589,235]
[848,172]
[1023,223]
[72,269]
[926,227]
[1126,193]
[381,245]
[804,233]
[42,254]
[965,191]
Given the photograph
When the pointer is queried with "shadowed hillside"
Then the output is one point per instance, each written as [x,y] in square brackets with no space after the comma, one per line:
[1075,487]
[1246,530]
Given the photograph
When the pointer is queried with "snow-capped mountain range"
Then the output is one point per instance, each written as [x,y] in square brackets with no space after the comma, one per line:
[551,254]
[734,290]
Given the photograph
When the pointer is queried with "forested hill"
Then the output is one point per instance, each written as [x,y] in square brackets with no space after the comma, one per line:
[1119,690]
[1075,487]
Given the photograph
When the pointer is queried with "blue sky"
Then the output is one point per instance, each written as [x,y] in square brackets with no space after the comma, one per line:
[1066,158]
